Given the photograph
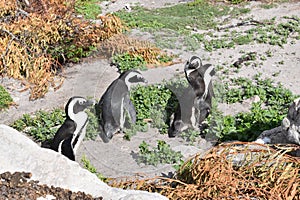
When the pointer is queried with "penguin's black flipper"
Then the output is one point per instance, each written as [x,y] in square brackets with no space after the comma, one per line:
[99,111]
[67,150]
[197,83]
[65,131]
[103,136]
[130,109]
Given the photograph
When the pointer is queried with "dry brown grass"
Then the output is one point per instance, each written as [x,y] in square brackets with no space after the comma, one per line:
[37,38]
[121,43]
[265,174]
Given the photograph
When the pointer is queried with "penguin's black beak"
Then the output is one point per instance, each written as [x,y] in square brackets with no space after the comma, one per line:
[144,80]
[90,102]
[193,65]
[141,79]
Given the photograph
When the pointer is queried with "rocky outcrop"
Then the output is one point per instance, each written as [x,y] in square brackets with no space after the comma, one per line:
[19,153]
[288,132]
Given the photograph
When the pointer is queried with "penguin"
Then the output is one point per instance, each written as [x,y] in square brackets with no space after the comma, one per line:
[70,134]
[184,116]
[115,105]
[200,78]
[196,100]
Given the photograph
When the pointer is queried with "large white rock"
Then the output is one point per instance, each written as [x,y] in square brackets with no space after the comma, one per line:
[19,153]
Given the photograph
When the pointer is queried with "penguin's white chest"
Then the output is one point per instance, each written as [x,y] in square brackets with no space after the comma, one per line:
[122,114]
[81,120]
[207,80]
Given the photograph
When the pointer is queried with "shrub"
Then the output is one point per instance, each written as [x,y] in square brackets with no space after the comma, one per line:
[5,98]
[41,126]
[161,154]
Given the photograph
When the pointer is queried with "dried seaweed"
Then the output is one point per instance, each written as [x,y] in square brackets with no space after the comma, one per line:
[265,173]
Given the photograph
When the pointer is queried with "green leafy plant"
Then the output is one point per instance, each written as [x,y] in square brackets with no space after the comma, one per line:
[134,128]
[243,39]
[5,98]
[214,44]
[159,155]
[264,115]
[267,32]
[92,129]
[159,119]
[89,8]
[145,98]
[42,125]
[190,135]
[127,61]
[237,1]
[199,14]
[177,22]
[268,6]
[87,165]
[157,102]
[269,53]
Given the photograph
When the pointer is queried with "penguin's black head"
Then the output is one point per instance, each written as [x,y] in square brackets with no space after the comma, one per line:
[193,63]
[77,104]
[132,76]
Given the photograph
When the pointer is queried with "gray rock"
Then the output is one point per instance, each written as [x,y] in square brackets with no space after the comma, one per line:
[187,151]
[19,153]
[288,132]
[239,157]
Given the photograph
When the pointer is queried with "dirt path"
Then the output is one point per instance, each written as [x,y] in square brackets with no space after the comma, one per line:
[117,158]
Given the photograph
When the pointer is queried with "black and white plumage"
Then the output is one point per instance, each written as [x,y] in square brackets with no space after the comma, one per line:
[184,116]
[200,78]
[115,104]
[195,105]
[69,136]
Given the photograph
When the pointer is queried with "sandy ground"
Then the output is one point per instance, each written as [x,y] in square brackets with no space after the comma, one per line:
[91,78]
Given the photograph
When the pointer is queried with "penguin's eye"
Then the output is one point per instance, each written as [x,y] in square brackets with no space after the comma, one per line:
[81,102]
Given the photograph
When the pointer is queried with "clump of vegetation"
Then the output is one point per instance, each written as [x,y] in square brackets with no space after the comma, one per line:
[159,155]
[145,98]
[266,114]
[41,126]
[134,128]
[129,53]
[38,38]
[157,102]
[87,165]
[5,98]
[176,30]
[237,1]
[88,8]
[246,59]
[126,62]
[190,135]
[267,32]
[264,173]
[92,128]
[180,17]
